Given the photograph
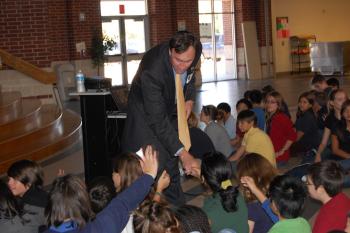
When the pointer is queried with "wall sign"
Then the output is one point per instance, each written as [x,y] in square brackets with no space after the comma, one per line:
[282,27]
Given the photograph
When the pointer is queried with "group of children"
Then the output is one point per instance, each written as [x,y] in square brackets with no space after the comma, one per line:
[240,167]
[259,145]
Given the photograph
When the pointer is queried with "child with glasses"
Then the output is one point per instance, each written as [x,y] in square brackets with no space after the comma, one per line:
[325,183]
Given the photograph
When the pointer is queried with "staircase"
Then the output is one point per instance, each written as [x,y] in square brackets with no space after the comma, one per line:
[30,130]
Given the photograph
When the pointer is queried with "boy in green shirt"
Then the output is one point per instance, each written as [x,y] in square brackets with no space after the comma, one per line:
[287,196]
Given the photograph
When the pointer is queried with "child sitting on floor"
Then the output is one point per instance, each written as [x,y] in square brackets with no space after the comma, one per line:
[226,207]
[154,217]
[287,196]
[325,182]
[256,169]
[255,140]
[308,135]
[69,207]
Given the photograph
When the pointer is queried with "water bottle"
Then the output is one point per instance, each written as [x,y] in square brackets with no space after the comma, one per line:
[80,81]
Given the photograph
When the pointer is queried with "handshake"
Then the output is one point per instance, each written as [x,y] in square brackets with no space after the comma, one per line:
[190,165]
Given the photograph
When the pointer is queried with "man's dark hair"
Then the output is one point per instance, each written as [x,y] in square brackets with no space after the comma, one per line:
[288,194]
[255,96]
[182,40]
[329,174]
[247,115]
[317,79]
[101,192]
[333,82]
[225,107]
[244,101]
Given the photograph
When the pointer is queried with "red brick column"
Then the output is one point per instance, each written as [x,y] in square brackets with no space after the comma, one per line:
[164,15]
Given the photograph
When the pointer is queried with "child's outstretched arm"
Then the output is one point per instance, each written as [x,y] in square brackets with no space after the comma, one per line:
[249,182]
[116,215]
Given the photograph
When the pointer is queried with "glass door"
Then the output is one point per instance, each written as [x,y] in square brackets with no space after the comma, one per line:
[216,23]
[130,35]
[126,23]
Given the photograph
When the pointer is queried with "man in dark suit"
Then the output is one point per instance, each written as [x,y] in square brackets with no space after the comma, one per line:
[152,113]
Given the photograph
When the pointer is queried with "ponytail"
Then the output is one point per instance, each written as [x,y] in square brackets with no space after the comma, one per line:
[229,198]
[217,173]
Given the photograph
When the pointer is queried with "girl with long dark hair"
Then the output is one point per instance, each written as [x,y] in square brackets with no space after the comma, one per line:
[225,206]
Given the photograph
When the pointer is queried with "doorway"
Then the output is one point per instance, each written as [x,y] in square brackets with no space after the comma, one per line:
[128,27]
[216,24]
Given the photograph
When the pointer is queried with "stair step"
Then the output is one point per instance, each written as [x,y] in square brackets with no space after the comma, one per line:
[19,109]
[46,117]
[9,102]
[42,144]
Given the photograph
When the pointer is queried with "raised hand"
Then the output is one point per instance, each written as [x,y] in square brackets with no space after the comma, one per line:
[248,182]
[149,162]
[163,182]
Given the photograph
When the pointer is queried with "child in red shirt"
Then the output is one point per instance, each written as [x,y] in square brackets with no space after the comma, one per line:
[324,182]
[279,126]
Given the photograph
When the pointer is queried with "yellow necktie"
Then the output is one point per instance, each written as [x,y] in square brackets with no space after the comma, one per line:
[184,134]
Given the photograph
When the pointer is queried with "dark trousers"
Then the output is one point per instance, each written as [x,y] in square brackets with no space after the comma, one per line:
[173,194]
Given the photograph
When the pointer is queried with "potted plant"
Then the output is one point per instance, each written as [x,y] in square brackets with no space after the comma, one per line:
[100,45]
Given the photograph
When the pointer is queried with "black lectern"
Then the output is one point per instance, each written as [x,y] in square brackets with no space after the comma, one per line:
[100,133]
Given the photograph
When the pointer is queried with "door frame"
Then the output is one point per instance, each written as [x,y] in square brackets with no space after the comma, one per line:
[124,57]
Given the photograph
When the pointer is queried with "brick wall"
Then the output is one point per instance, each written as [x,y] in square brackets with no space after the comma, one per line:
[164,15]
[227,21]
[251,10]
[41,31]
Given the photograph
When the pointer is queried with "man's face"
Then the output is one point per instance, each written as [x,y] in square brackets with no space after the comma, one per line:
[182,61]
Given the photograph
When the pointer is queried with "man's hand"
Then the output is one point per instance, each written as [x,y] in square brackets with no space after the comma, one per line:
[188,107]
[189,163]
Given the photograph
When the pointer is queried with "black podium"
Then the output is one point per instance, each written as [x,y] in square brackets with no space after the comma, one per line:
[100,133]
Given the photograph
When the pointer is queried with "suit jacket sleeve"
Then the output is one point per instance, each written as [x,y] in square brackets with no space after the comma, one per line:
[156,113]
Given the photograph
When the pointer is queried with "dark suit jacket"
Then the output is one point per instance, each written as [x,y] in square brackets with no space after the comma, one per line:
[152,117]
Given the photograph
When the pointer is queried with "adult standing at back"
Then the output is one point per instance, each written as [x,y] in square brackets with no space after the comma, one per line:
[152,109]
